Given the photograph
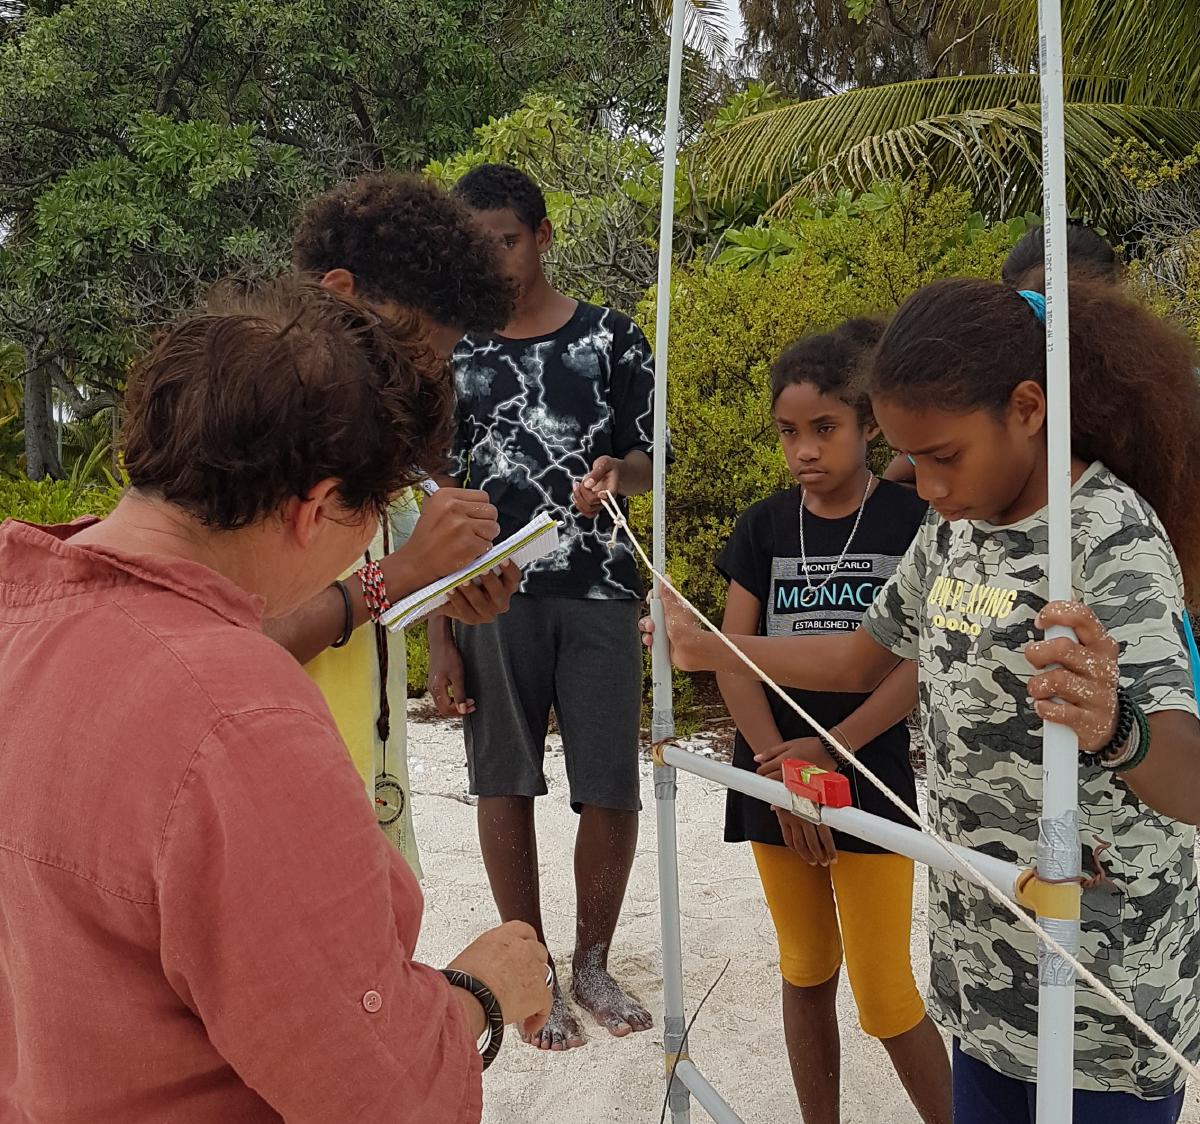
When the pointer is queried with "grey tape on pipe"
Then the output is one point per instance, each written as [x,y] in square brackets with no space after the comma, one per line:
[662,725]
[664,782]
[1058,856]
[1055,970]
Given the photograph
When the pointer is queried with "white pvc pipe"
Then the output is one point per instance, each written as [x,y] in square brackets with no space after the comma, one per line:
[892,836]
[706,1096]
[662,722]
[1058,848]
[669,925]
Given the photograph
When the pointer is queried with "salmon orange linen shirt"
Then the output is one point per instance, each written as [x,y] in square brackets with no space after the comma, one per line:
[200,919]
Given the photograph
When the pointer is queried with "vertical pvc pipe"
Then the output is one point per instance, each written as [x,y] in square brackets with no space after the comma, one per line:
[662,724]
[1058,844]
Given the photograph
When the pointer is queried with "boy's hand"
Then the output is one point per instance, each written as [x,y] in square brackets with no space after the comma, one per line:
[447,677]
[604,477]
[812,750]
[1080,689]
[483,599]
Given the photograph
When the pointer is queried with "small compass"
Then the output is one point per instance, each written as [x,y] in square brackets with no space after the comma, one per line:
[389,800]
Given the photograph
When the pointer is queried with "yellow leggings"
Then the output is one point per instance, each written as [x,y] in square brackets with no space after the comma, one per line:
[874,905]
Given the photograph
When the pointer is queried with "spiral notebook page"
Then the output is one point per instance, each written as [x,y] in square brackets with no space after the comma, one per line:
[535,540]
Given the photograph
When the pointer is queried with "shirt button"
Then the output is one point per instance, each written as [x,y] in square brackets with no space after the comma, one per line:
[372,1001]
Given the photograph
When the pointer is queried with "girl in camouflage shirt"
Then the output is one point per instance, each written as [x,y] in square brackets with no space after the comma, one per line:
[957,383]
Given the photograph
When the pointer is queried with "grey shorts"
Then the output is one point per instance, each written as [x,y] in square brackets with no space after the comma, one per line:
[581,657]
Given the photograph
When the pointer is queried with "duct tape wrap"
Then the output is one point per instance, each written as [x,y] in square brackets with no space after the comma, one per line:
[1053,969]
[662,724]
[664,782]
[1058,856]
[674,1028]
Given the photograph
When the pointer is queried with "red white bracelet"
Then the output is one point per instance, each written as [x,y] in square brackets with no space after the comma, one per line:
[374,590]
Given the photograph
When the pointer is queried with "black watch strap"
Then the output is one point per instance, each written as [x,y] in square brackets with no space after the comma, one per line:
[348,618]
[491,1008]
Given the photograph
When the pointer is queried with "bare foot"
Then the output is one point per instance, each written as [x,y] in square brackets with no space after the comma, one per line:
[562,1030]
[596,991]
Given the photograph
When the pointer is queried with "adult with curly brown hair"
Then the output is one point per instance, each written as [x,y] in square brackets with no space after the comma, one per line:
[201,919]
[404,246]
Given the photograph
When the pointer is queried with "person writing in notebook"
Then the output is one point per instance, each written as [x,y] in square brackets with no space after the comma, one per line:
[553,410]
[405,247]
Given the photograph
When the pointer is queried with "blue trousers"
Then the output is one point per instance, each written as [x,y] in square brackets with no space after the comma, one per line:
[984,1096]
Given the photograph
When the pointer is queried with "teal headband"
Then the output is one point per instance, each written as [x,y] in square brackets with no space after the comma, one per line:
[1036,301]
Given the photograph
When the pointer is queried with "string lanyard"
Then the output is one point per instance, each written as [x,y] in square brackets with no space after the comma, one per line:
[383,724]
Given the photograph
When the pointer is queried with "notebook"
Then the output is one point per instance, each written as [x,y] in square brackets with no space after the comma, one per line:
[535,540]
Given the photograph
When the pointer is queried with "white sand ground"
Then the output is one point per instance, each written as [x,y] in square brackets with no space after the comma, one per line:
[737,1040]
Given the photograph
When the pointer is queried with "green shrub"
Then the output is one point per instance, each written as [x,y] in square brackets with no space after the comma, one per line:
[55,501]
[417,648]
[728,325]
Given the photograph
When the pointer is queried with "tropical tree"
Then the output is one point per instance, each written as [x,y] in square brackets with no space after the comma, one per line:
[825,46]
[148,147]
[1134,75]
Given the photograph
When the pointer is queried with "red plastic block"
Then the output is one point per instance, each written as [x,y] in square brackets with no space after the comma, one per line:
[816,784]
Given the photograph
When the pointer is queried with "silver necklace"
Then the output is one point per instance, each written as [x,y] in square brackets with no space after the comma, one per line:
[841,557]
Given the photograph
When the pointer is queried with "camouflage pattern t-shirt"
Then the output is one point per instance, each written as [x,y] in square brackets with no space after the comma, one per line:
[962,604]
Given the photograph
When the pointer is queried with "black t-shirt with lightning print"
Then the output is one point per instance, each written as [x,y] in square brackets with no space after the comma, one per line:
[533,416]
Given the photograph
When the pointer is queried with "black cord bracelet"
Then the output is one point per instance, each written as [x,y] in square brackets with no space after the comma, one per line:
[1124,727]
[1143,744]
[348,623]
[491,1008]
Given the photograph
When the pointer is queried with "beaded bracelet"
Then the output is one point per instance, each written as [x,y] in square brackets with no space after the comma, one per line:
[493,1036]
[841,744]
[374,590]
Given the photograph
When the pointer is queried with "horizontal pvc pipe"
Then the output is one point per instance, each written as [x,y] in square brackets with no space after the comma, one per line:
[917,845]
[706,1096]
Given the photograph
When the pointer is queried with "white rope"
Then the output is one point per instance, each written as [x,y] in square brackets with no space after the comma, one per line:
[1118,1004]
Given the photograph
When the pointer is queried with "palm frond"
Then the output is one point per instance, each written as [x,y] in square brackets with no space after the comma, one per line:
[996,153]
[779,147]
[1155,44]
[706,25]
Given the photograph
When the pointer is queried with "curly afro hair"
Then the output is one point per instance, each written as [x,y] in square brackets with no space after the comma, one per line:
[496,187]
[406,240]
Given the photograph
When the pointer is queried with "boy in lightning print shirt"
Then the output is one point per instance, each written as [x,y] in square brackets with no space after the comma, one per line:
[553,412]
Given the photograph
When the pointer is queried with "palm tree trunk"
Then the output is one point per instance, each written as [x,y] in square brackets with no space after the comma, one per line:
[41,443]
